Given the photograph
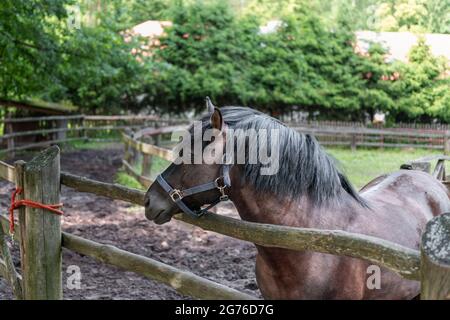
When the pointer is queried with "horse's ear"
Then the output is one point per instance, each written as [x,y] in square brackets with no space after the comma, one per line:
[209,106]
[216,118]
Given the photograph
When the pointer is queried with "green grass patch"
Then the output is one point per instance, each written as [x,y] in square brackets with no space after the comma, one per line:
[363,165]
[360,166]
[126,180]
[80,144]
[158,166]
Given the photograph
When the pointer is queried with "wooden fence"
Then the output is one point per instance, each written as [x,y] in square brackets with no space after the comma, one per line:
[63,129]
[41,256]
[354,137]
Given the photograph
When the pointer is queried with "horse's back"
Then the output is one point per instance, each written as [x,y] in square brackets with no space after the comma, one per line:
[400,206]
[427,195]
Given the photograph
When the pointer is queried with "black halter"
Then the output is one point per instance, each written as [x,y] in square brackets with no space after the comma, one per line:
[177,195]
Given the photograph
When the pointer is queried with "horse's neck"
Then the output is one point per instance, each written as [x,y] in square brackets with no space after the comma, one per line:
[299,212]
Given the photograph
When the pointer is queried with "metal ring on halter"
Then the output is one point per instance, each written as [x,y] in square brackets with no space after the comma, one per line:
[176,195]
[216,182]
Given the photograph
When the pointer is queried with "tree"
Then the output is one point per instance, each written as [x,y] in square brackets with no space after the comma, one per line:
[420,92]
[29,46]
[411,15]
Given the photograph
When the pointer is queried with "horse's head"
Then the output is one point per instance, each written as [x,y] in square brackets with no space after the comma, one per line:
[187,186]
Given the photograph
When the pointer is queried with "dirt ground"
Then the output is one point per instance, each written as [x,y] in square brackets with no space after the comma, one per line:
[213,256]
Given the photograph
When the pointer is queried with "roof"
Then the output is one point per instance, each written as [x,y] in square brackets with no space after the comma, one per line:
[398,44]
[39,106]
[151,28]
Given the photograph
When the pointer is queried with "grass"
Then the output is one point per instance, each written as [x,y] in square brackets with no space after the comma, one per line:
[126,180]
[360,166]
[363,165]
[80,144]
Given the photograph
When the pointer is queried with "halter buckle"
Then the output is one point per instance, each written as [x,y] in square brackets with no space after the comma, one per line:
[218,186]
[176,195]
[223,197]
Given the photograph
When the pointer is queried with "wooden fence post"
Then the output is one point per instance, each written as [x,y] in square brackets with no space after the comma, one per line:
[158,136]
[10,141]
[435,259]
[146,165]
[447,142]
[61,124]
[353,142]
[83,132]
[128,149]
[41,229]
[424,166]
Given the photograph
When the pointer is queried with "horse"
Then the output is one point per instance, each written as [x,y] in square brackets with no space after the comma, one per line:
[309,191]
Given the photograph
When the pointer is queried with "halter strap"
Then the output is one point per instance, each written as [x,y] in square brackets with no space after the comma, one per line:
[177,195]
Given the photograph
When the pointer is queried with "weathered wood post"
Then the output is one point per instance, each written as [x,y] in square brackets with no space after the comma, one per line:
[10,141]
[146,165]
[62,125]
[7,266]
[83,131]
[128,149]
[158,136]
[353,139]
[424,166]
[147,159]
[41,229]
[447,142]
[435,259]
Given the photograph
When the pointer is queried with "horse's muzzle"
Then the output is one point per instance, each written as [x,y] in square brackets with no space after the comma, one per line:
[156,209]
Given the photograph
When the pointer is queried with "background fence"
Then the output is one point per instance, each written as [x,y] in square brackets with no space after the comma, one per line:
[61,129]
[354,136]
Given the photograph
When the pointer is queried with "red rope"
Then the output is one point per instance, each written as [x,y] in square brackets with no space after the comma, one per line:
[16,204]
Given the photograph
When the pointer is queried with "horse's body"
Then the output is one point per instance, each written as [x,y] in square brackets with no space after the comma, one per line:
[400,205]
[394,207]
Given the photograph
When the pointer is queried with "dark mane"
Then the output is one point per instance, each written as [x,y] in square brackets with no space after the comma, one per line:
[305,168]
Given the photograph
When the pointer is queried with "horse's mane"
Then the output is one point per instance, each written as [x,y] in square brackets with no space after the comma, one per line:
[305,168]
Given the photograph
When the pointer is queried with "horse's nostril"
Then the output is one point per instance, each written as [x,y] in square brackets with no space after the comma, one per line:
[147,202]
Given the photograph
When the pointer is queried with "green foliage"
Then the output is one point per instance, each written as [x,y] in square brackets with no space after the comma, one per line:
[411,15]
[209,51]
[28,45]
[216,49]
[420,91]
[100,75]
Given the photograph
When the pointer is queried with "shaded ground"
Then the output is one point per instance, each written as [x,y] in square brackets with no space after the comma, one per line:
[216,257]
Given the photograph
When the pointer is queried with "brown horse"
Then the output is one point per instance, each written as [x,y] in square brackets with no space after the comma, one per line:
[307,191]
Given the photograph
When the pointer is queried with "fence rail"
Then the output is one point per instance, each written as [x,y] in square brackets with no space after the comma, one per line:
[80,128]
[383,138]
[184,282]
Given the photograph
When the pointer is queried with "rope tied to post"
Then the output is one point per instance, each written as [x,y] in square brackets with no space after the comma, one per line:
[15,204]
